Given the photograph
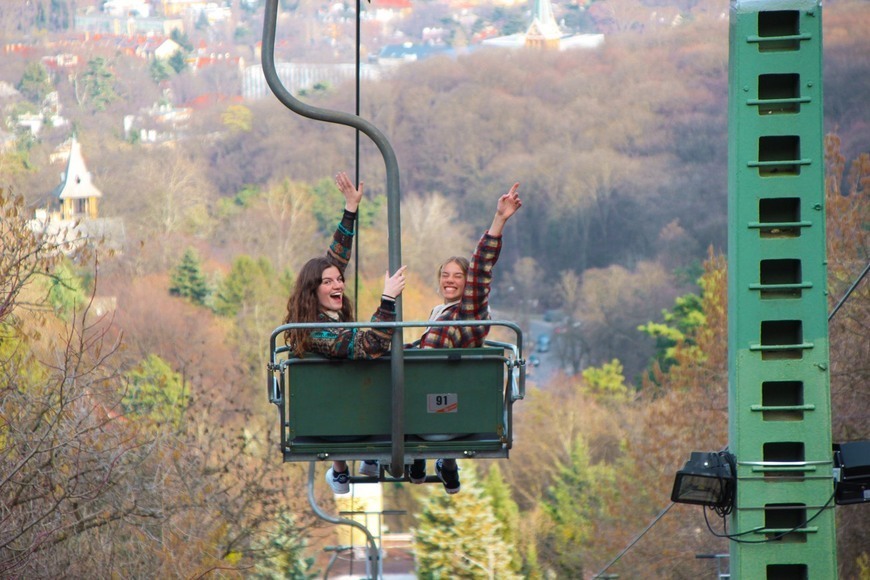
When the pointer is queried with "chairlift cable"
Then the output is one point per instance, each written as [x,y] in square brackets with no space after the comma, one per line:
[634,541]
[849,291]
[356,162]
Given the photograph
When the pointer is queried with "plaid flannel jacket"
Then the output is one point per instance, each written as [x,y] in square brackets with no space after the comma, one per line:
[474,304]
[352,343]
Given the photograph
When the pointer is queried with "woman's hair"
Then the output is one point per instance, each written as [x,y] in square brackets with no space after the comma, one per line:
[303,305]
[460,261]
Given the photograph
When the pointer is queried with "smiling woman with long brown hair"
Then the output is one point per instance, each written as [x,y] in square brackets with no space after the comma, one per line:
[318,296]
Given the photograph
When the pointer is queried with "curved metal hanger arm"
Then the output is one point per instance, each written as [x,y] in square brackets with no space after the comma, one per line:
[373,552]
[270,21]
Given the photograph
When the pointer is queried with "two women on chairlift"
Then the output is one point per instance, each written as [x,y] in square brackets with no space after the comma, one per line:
[318,296]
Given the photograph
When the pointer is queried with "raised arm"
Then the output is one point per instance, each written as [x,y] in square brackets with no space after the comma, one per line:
[508,205]
[342,240]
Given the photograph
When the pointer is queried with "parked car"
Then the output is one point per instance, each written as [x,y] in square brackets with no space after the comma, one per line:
[555,315]
[543,343]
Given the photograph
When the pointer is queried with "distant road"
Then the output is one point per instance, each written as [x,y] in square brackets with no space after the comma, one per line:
[540,375]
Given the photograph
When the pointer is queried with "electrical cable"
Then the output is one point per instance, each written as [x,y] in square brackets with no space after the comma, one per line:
[634,541]
[849,291]
[777,537]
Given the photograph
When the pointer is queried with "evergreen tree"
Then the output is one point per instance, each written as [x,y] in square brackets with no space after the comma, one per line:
[679,326]
[35,83]
[156,391]
[181,39]
[59,11]
[188,280]
[177,61]
[459,536]
[159,70]
[100,83]
[506,511]
[65,290]
[249,281]
[606,383]
[577,504]
[284,551]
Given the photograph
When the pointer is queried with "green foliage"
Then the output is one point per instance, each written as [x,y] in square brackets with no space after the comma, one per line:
[17,358]
[285,554]
[177,61]
[202,21]
[100,83]
[156,391]
[327,198]
[506,511]
[17,161]
[159,70]
[181,39]
[459,536]
[66,290]
[243,199]
[188,280]
[864,566]
[576,504]
[248,282]
[238,118]
[241,33]
[606,383]
[35,83]
[679,327]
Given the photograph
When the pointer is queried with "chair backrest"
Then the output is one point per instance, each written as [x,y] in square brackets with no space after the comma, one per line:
[455,405]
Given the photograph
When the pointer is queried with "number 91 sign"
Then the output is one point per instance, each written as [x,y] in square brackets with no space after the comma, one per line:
[442,403]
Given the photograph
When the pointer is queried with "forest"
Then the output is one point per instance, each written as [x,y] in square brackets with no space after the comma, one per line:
[137,439]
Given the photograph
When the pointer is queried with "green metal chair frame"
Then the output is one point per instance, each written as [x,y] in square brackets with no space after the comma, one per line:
[455,403]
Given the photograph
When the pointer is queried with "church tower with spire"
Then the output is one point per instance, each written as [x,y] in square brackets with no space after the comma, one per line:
[544,32]
[77,194]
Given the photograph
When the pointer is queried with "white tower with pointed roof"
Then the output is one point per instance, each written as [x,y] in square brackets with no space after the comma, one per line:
[544,31]
[77,194]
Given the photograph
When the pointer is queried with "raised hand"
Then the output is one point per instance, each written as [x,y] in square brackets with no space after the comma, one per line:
[509,203]
[352,195]
[393,285]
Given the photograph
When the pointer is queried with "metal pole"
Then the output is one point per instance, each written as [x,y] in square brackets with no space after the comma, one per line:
[374,557]
[394,226]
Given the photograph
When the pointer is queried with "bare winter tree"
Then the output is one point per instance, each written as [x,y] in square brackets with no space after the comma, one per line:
[93,486]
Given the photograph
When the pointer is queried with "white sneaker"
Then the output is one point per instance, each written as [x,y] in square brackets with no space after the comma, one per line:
[339,482]
[370,468]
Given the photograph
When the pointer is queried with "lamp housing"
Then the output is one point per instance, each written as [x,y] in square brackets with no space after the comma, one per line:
[707,479]
[852,472]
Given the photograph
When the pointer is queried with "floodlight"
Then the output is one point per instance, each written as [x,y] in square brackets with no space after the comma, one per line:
[852,472]
[707,479]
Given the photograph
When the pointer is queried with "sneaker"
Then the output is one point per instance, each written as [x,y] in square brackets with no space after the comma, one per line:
[370,468]
[339,482]
[449,477]
[417,473]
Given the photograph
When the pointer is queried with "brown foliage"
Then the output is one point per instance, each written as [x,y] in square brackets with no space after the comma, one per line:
[848,208]
[614,301]
[23,254]
[89,490]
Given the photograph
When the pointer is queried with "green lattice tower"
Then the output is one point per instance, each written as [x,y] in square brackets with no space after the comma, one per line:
[779,393]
